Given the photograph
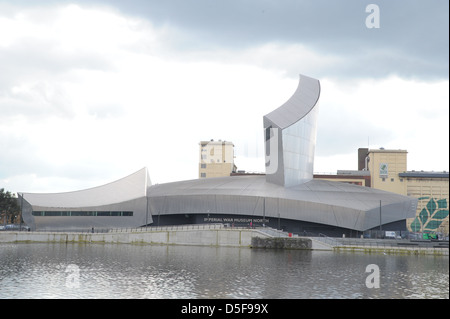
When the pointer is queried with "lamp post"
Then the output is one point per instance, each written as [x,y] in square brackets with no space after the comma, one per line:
[21,212]
[264,212]
[380,216]
[146,212]
[278,209]
[159,214]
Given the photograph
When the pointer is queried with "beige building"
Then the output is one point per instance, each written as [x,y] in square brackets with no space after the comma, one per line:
[387,170]
[361,178]
[216,159]
[431,189]
[385,167]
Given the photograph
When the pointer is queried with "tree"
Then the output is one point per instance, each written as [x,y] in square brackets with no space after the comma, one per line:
[9,206]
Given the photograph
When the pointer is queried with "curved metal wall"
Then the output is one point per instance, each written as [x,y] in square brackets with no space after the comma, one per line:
[323,202]
[138,206]
[126,194]
[290,136]
[299,143]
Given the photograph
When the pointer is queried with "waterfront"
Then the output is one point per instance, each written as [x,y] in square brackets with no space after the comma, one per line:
[53,270]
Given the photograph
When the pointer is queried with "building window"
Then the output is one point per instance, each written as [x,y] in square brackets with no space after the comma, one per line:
[392,179]
[81,213]
[268,133]
[202,174]
[203,165]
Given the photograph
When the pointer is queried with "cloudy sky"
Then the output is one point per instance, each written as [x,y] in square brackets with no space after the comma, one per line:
[91,91]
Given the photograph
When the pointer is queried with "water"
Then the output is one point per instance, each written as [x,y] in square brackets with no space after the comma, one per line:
[144,271]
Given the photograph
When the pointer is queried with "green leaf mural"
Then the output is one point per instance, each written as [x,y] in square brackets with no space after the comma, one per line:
[433,225]
[431,206]
[441,214]
[423,216]
[442,203]
[416,226]
[431,216]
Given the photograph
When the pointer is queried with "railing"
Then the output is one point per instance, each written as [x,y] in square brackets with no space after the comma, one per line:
[168,227]
[272,232]
[388,243]
[327,240]
[378,243]
[266,230]
[366,242]
[137,229]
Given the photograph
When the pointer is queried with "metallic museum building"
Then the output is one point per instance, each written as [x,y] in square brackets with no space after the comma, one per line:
[285,197]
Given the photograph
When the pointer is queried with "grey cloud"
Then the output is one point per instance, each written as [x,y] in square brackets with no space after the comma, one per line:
[34,59]
[104,111]
[38,101]
[14,159]
[20,156]
[341,132]
[41,66]
[412,39]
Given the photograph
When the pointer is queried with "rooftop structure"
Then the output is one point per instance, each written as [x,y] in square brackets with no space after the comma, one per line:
[216,159]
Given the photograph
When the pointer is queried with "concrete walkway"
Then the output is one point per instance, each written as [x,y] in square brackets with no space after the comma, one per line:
[182,235]
[385,246]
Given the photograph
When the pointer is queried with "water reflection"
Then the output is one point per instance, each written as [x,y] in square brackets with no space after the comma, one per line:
[134,271]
